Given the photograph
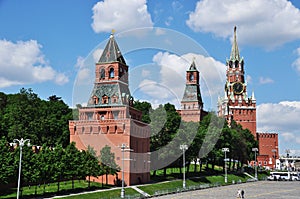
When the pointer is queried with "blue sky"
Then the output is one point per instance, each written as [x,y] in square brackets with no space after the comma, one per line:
[51,46]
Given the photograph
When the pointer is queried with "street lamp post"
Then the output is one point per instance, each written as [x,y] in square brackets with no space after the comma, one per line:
[255,162]
[274,151]
[123,149]
[21,144]
[287,160]
[225,150]
[123,146]
[183,147]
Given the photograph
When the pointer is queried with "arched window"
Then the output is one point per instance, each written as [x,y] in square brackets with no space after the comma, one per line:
[192,77]
[236,64]
[111,73]
[114,99]
[121,72]
[95,100]
[104,99]
[242,65]
[102,73]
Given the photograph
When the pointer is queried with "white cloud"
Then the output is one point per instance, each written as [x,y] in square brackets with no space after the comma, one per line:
[177,6]
[296,63]
[290,137]
[160,31]
[23,63]
[80,62]
[266,23]
[154,88]
[265,80]
[84,75]
[120,15]
[145,73]
[61,79]
[249,79]
[169,21]
[283,118]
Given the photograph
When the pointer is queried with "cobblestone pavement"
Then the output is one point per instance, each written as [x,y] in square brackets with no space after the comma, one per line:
[261,190]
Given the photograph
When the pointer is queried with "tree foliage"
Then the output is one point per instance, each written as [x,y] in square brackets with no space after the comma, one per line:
[46,164]
[108,163]
[205,139]
[45,123]
[25,115]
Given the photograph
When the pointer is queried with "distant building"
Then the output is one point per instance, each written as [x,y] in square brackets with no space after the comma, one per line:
[109,119]
[238,106]
[268,150]
[191,103]
[287,162]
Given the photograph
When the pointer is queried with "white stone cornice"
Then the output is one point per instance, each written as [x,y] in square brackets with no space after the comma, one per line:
[242,107]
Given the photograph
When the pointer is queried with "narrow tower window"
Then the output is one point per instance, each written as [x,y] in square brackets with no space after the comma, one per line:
[192,77]
[111,73]
[102,73]
[236,64]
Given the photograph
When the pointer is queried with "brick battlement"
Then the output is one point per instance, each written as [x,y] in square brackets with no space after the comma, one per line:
[267,135]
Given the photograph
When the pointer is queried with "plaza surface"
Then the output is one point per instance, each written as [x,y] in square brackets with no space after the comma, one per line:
[261,190]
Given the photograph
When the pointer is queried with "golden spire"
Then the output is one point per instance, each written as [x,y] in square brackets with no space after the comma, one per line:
[235,54]
[112,33]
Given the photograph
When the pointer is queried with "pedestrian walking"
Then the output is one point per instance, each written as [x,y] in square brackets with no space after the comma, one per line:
[242,193]
[238,194]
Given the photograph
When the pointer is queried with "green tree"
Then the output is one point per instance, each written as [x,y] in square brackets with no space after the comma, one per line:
[43,122]
[165,122]
[92,166]
[107,159]
[59,165]
[242,143]
[46,162]
[190,134]
[7,169]
[146,109]
[3,104]
[74,165]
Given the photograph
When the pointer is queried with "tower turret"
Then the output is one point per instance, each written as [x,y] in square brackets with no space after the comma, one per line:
[191,103]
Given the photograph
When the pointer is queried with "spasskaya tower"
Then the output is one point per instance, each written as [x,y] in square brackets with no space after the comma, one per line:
[236,105]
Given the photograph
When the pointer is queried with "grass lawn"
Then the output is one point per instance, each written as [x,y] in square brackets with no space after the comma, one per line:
[161,184]
[116,193]
[191,183]
[51,189]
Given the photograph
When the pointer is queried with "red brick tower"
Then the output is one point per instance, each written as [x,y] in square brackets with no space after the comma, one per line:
[109,118]
[268,149]
[191,104]
[236,105]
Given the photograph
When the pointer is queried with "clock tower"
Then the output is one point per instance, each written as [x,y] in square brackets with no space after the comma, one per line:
[236,105]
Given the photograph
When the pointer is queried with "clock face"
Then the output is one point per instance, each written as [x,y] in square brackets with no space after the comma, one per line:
[238,87]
